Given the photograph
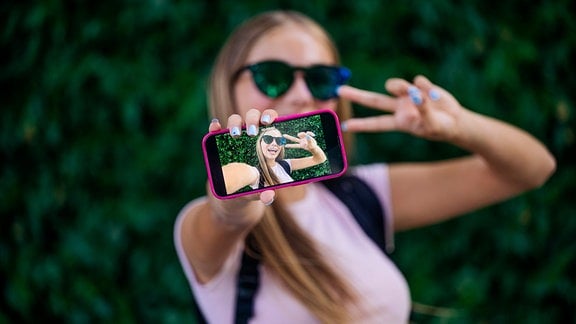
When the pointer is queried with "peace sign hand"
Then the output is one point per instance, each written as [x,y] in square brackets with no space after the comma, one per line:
[420,108]
[305,141]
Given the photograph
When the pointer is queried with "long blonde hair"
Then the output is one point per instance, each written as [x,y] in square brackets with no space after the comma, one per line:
[266,172]
[283,246]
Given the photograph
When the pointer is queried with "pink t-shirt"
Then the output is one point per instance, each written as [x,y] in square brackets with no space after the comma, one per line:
[382,289]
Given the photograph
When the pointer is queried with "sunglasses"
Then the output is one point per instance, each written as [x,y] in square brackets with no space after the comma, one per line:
[274,78]
[269,138]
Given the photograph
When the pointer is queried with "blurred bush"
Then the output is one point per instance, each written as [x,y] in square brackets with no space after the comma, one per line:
[103,109]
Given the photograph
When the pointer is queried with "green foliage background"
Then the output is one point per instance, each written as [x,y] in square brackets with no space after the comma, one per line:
[103,109]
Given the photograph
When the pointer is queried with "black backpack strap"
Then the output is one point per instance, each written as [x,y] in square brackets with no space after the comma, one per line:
[363,204]
[285,165]
[246,286]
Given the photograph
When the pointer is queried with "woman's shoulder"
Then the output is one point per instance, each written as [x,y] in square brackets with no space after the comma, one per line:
[376,175]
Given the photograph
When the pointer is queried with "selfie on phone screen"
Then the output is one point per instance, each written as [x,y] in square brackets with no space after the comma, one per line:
[295,150]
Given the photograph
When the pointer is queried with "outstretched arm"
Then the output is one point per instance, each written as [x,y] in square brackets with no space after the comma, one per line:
[238,175]
[505,160]
[210,231]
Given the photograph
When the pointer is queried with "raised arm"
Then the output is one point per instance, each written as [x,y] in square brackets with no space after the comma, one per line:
[505,160]
[306,141]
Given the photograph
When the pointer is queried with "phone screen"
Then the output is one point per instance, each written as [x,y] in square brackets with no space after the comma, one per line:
[293,150]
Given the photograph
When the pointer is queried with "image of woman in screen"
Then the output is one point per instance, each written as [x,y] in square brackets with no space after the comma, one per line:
[272,167]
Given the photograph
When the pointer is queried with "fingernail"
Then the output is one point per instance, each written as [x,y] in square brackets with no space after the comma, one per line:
[215,121]
[269,202]
[434,94]
[337,90]
[235,131]
[415,95]
[265,119]
[344,126]
[252,130]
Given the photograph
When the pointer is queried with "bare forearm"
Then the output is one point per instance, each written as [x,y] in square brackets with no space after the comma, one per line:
[318,155]
[238,175]
[509,151]
[211,231]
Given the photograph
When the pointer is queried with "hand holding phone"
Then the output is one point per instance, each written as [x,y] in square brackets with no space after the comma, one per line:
[293,150]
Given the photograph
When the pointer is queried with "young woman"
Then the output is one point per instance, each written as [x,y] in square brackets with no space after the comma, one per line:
[317,265]
[272,167]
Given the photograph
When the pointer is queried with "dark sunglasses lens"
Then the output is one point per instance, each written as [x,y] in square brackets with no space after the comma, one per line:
[280,141]
[269,138]
[324,80]
[272,78]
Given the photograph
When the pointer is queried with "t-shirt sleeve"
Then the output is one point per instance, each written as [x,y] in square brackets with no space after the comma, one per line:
[377,177]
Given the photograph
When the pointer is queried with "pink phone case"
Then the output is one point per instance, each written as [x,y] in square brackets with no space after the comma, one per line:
[341,155]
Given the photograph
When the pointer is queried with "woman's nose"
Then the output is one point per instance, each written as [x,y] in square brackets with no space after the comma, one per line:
[299,91]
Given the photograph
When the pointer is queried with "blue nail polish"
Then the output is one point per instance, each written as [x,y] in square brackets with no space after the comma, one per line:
[344,126]
[266,119]
[252,130]
[215,120]
[235,131]
[416,98]
[434,94]
[415,95]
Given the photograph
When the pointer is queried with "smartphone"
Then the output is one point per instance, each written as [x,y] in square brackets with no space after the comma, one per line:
[294,150]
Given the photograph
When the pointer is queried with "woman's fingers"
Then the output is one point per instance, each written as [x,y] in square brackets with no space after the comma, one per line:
[291,138]
[370,124]
[423,83]
[368,98]
[398,87]
[418,107]
[419,92]
[268,116]
[235,125]
[305,140]
[307,136]
[252,120]
[431,91]
[267,197]
[214,125]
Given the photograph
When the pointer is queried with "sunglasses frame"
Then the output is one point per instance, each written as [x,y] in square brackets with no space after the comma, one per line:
[340,75]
